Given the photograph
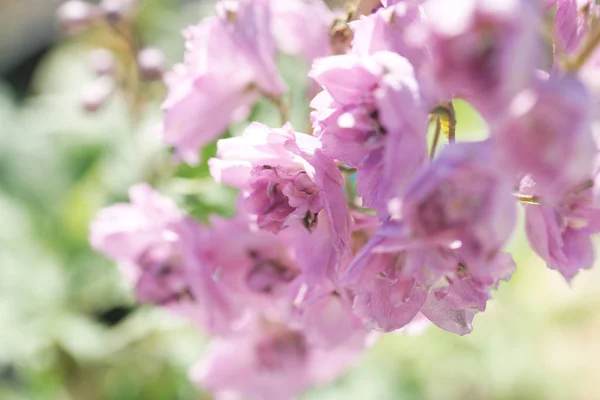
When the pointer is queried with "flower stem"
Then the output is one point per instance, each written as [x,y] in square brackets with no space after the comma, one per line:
[436,138]
[282,107]
[348,189]
[452,122]
[346,170]
[447,117]
[527,199]
[130,82]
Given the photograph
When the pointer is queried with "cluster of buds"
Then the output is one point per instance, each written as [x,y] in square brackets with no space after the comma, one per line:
[111,69]
[360,227]
[75,15]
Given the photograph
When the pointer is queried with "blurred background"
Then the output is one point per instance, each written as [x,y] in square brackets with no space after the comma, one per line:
[69,328]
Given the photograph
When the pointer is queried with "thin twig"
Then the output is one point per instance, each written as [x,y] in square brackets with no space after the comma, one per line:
[130,84]
[452,122]
[436,138]
[281,105]
[446,114]
[283,108]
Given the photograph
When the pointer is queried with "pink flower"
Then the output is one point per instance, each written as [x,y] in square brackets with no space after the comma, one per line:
[547,134]
[256,268]
[454,301]
[462,201]
[302,27]
[230,61]
[371,116]
[387,297]
[396,29]
[124,231]
[288,183]
[326,317]
[397,280]
[270,362]
[395,277]
[560,234]
[483,51]
[443,257]
[159,250]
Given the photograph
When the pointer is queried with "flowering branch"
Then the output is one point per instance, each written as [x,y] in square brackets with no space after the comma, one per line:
[428,238]
[148,63]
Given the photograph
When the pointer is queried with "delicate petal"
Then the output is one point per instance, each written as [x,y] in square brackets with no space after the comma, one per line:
[230,59]
[326,317]
[547,134]
[160,252]
[345,78]
[447,317]
[124,231]
[484,51]
[270,363]
[290,184]
[386,297]
[373,118]
[396,29]
[302,27]
[569,25]
[462,201]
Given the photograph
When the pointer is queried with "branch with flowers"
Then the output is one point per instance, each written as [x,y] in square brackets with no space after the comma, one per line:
[360,226]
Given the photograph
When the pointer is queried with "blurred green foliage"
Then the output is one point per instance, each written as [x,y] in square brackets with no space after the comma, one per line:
[69,328]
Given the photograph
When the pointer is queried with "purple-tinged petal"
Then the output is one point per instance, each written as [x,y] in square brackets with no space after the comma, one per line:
[302,27]
[289,184]
[230,61]
[547,134]
[570,26]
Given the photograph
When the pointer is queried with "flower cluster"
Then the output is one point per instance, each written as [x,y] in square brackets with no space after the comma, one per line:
[359,226]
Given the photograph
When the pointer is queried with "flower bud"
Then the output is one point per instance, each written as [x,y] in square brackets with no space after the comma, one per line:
[151,62]
[76,14]
[102,62]
[95,94]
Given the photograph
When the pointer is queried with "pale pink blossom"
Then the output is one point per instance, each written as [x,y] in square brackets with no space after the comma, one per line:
[270,362]
[229,63]
[159,250]
[288,183]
